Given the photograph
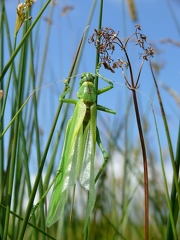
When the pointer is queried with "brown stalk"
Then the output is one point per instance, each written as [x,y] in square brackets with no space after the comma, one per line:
[105,40]
[143,146]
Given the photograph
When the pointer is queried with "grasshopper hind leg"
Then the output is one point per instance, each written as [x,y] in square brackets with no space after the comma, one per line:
[105,155]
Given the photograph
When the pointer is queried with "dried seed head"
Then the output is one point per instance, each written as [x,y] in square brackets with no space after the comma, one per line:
[106,40]
[138,27]
[22,11]
[1,94]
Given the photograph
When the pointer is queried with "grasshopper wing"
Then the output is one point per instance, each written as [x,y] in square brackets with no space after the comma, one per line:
[86,177]
[66,174]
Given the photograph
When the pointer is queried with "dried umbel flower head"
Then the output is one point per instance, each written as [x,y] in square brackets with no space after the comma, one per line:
[106,39]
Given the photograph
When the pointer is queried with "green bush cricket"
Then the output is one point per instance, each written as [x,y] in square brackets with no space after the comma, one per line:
[77,159]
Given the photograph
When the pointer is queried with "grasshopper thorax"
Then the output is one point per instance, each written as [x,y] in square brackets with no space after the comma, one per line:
[87,91]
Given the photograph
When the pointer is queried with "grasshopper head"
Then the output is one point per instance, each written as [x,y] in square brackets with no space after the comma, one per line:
[86,77]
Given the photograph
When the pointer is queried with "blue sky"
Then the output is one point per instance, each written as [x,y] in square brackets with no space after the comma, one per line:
[156,23]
